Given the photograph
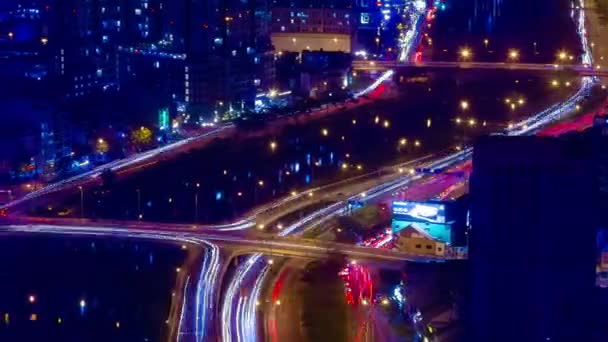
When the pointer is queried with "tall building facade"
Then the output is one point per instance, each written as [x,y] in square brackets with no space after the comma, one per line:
[312,25]
[217,54]
[235,59]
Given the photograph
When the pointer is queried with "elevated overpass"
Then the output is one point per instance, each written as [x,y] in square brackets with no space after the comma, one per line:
[250,243]
[583,70]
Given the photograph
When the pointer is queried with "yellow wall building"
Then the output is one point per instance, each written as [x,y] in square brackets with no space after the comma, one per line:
[298,42]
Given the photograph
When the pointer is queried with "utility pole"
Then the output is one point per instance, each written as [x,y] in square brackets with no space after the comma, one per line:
[138,204]
[198,185]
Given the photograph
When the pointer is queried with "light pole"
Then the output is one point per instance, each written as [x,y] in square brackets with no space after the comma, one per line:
[513,55]
[198,185]
[255,190]
[465,54]
[81,201]
[138,203]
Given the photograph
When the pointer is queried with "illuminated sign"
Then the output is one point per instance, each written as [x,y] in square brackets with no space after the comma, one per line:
[163,118]
[438,231]
[422,211]
[365,19]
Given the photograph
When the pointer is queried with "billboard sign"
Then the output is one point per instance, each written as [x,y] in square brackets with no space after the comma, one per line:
[436,231]
[419,211]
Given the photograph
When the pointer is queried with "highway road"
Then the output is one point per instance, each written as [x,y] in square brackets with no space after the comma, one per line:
[252,272]
[283,304]
[582,70]
[528,126]
[245,243]
[192,318]
[244,322]
[135,162]
[239,312]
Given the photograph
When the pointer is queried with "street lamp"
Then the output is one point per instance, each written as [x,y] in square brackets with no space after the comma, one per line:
[138,203]
[273,145]
[198,185]
[513,54]
[562,55]
[465,53]
[464,104]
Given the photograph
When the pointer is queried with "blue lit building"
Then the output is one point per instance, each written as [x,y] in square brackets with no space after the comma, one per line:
[207,56]
[215,55]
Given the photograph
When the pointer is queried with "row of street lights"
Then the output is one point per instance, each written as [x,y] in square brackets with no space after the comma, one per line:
[466,54]
[513,55]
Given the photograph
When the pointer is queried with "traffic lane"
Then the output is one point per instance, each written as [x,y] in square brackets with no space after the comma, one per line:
[134,163]
[285,306]
[121,166]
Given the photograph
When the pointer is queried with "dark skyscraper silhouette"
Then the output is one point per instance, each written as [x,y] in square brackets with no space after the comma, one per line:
[535,211]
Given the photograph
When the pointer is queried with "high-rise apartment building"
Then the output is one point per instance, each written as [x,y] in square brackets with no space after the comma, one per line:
[209,55]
